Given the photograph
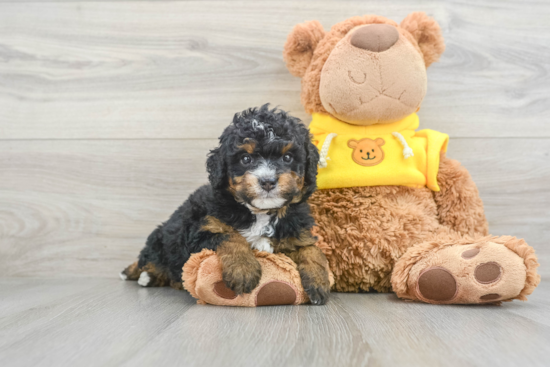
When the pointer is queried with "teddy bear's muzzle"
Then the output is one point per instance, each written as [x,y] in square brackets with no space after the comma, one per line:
[375,37]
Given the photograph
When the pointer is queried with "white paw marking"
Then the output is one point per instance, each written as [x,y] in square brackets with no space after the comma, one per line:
[123,276]
[144,279]
[263,244]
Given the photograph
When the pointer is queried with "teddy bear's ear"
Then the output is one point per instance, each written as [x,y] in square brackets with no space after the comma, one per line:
[427,34]
[300,44]
[380,142]
[352,143]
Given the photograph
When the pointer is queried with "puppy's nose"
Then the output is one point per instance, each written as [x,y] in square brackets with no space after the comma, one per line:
[375,37]
[268,184]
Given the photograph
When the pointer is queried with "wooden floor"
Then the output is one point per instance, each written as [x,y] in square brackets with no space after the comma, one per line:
[107,111]
[107,322]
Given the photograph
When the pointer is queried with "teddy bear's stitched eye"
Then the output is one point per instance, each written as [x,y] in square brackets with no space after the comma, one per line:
[373,150]
[287,158]
[246,159]
[360,150]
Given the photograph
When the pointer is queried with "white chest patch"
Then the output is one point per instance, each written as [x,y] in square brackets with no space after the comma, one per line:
[258,233]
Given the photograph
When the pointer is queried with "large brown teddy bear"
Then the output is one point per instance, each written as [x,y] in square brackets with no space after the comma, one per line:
[393,212]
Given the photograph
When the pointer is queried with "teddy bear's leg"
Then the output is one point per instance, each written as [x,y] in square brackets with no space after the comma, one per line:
[279,285]
[483,270]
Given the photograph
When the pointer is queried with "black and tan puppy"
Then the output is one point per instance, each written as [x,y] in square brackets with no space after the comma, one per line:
[261,176]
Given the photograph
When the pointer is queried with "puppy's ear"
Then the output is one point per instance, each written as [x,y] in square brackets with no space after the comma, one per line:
[310,176]
[299,46]
[427,34]
[217,170]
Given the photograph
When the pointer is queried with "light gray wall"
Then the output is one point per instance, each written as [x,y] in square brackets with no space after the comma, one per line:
[107,110]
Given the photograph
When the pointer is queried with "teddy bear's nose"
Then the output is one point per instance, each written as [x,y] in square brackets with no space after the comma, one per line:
[375,37]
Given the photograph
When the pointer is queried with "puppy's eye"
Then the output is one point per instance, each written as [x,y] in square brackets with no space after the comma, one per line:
[287,158]
[246,159]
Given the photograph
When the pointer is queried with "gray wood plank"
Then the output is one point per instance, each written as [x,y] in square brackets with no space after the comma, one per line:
[84,208]
[89,205]
[181,69]
[456,335]
[82,322]
[107,322]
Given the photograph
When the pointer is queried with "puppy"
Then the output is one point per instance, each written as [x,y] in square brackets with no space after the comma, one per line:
[261,175]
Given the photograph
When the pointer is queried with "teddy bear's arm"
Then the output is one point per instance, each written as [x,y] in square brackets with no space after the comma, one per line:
[458,203]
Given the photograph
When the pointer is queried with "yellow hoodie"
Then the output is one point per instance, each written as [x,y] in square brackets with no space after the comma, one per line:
[385,154]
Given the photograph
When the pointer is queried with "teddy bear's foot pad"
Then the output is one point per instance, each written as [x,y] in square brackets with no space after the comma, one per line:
[270,294]
[222,291]
[480,272]
[437,284]
[276,293]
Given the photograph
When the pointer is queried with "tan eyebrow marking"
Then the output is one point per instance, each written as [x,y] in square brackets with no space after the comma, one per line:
[249,145]
[286,148]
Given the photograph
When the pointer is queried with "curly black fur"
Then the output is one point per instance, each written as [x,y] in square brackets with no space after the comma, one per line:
[270,130]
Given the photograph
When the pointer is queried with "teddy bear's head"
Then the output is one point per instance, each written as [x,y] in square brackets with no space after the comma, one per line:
[367,69]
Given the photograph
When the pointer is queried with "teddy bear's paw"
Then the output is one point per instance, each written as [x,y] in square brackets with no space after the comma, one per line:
[484,272]
[279,283]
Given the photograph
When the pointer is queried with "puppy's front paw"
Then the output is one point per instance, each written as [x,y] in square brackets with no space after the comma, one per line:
[318,295]
[316,284]
[242,274]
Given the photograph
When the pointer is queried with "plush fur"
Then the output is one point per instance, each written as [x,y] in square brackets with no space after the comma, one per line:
[364,231]
[427,35]
[264,168]
[299,49]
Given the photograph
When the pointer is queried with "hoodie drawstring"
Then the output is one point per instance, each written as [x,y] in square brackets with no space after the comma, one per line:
[407,151]
[324,150]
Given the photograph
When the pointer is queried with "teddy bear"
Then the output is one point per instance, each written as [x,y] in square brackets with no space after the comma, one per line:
[397,215]
[393,212]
